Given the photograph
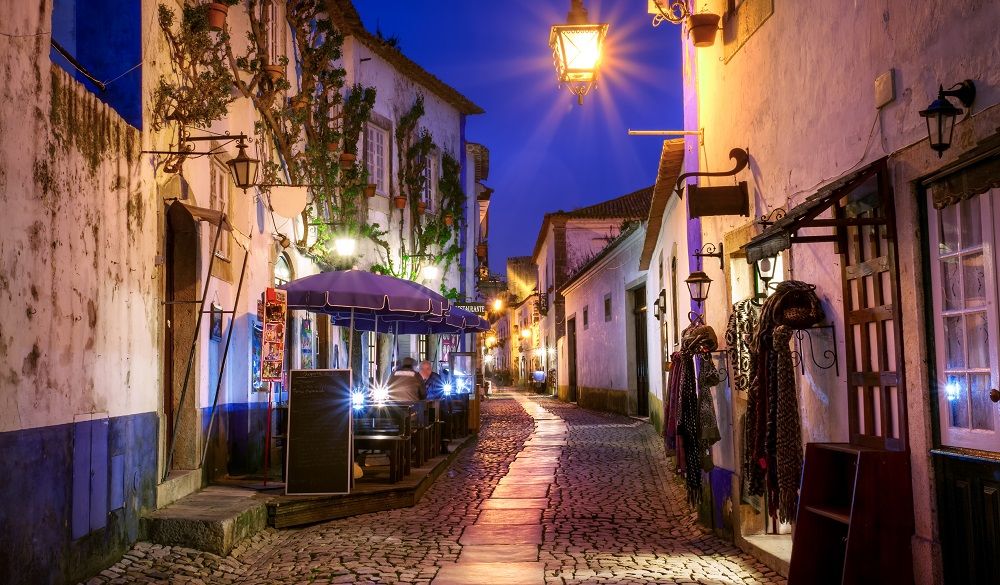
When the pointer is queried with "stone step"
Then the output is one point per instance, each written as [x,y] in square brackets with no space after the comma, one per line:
[214,520]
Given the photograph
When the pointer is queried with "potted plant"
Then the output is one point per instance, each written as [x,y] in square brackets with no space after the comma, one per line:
[421,207]
[400,201]
[370,189]
[449,219]
[703,28]
[481,250]
[347,160]
[216,14]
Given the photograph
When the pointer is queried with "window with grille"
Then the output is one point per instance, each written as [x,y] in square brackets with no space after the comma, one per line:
[430,181]
[376,143]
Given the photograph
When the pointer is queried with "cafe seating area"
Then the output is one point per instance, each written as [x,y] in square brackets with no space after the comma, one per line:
[406,435]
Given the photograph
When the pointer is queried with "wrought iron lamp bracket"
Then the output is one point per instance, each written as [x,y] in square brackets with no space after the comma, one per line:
[675,13]
[712,251]
[772,217]
[185,147]
[742,158]
[829,356]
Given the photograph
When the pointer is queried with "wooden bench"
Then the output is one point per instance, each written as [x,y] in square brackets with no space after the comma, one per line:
[386,429]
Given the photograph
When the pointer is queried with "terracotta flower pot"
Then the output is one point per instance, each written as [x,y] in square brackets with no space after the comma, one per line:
[703,28]
[481,250]
[421,207]
[300,102]
[370,189]
[347,160]
[449,219]
[332,146]
[217,15]
[400,201]
[274,72]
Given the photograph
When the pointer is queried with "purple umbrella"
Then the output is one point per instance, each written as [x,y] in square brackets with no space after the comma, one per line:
[363,292]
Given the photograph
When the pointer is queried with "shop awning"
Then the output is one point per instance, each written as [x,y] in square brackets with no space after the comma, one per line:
[212,216]
[976,171]
[781,234]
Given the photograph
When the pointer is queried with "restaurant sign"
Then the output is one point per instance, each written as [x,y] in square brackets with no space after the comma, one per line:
[320,455]
[474,308]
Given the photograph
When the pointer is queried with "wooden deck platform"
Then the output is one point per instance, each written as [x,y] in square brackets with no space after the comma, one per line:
[367,495]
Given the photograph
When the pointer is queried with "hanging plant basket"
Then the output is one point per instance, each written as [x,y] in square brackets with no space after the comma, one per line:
[400,201]
[421,207]
[332,146]
[481,250]
[703,28]
[217,12]
[347,160]
[274,72]
[370,189]
[449,219]
[300,102]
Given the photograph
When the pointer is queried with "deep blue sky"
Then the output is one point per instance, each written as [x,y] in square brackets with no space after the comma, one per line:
[546,152]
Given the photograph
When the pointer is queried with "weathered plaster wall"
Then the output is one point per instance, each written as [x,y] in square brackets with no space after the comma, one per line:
[813,120]
[78,329]
[79,351]
[605,354]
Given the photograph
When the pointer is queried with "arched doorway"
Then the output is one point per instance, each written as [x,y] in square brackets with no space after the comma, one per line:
[181,315]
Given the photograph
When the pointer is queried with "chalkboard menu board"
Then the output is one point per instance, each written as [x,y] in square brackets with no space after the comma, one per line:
[320,456]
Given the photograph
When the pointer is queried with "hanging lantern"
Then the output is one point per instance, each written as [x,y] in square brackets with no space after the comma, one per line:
[243,167]
[577,50]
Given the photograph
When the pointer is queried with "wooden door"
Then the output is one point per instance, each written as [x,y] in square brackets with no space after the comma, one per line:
[876,401]
[641,353]
[571,357]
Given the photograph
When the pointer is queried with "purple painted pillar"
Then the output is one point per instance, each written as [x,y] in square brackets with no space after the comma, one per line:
[692,148]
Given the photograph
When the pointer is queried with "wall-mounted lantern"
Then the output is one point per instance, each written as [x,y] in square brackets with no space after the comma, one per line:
[242,166]
[660,306]
[698,284]
[577,48]
[941,114]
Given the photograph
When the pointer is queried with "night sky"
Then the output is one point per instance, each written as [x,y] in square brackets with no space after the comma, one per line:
[546,152]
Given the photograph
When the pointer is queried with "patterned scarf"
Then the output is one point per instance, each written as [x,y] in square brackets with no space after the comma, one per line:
[742,323]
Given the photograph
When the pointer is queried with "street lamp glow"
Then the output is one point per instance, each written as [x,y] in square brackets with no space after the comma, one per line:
[525,333]
[491,339]
[497,305]
[345,246]
[577,48]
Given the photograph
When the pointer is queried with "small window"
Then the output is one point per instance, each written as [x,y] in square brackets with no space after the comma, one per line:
[282,270]
[430,181]
[219,198]
[376,143]
[607,307]
[586,317]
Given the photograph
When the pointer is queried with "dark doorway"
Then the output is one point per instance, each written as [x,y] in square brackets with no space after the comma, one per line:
[181,270]
[571,357]
[641,361]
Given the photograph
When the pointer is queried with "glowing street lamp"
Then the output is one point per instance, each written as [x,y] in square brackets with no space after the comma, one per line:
[345,246]
[577,48]
[430,272]
[497,305]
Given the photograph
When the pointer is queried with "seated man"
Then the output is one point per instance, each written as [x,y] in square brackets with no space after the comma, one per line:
[433,382]
[405,385]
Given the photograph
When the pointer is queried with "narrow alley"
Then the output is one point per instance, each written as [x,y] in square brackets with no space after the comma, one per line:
[550,493]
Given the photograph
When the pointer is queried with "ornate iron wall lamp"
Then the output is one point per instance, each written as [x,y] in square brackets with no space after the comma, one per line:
[242,167]
[941,114]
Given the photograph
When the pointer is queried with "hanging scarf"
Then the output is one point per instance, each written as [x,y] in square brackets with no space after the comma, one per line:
[742,323]
[690,429]
[708,377]
[671,406]
[772,448]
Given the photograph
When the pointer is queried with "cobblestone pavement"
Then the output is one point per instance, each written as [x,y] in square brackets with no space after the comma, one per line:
[614,515]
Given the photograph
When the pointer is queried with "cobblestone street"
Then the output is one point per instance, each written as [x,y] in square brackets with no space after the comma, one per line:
[587,499]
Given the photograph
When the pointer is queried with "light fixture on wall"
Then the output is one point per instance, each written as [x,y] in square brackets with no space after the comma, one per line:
[765,270]
[430,272]
[698,284]
[711,251]
[242,166]
[660,306]
[345,246]
[941,114]
[577,48]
